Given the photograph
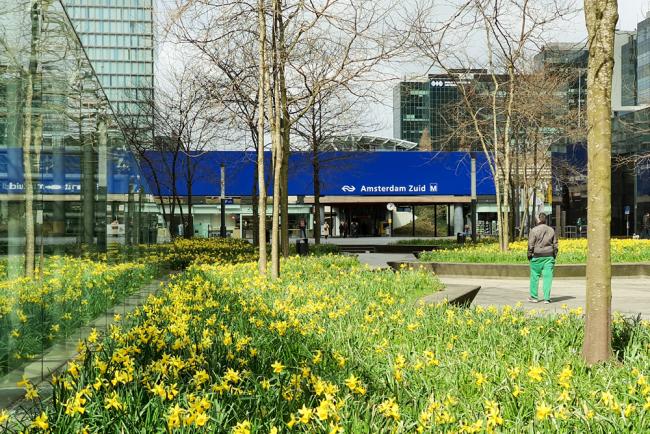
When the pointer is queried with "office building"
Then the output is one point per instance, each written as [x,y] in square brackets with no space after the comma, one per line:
[624,80]
[75,175]
[118,38]
[643,61]
[428,111]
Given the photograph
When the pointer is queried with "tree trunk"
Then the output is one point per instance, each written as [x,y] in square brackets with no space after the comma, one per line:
[31,73]
[286,136]
[28,178]
[261,180]
[601,17]
[276,135]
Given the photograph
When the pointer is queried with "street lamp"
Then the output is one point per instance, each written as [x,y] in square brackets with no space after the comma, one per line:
[222,232]
[473,195]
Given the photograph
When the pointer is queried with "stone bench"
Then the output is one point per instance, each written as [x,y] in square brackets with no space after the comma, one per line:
[456,295]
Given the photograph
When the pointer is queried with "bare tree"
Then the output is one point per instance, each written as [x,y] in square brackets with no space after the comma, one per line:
[509,29]
[355,30]
[334,115]
[601,17]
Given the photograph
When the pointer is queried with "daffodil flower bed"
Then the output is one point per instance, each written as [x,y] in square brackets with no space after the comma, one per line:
[34,313]
[182,252]
[335,347]
[570,252]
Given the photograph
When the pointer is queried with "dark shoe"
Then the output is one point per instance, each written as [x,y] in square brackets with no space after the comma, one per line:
[533,300]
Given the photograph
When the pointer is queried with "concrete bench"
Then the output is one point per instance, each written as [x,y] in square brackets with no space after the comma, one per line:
[456,295]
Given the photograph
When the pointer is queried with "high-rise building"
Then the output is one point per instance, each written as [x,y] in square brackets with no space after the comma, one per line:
[571,60]
[427,111]
[118,38]
[643,61]
[624,91]
[411,109]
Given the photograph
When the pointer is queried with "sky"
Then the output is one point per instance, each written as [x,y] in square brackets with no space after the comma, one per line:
[573,30]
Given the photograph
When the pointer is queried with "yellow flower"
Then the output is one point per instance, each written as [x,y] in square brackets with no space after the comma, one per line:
[607,398]
[242,428]
[40,422]
[277,367]
[355,385]
[564,395]
[305,414]
[516,391]
[535,373]
[174,418]
[389,409]
[201,419]
[542,412]
[480,379]
[113,401]
[4,416]
[565,377]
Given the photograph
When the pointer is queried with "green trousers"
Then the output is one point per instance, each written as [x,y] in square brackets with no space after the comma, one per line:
[541,267]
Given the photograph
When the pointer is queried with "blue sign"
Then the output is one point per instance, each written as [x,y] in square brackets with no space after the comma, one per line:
[341,173]
[627,210]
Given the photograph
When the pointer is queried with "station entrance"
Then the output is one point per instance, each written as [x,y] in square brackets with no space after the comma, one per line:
[404,217]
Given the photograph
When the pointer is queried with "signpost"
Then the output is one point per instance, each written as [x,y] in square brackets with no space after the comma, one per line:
[627,219]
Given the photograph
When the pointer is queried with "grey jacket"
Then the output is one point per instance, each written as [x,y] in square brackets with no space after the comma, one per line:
[542,242]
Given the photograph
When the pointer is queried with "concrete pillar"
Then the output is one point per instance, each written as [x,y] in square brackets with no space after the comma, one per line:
[459,219]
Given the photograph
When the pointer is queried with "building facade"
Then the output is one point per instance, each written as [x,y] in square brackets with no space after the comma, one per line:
[643,61]
[65,171]
[428,112]
[119,41]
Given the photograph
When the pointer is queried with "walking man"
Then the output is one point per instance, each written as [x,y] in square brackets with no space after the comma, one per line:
[542,251]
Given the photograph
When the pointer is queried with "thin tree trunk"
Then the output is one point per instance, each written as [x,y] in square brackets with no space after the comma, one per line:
[262,87]
[28,178]
[285,132]
[256,209]
[601,17]
[30,232]
[276,136]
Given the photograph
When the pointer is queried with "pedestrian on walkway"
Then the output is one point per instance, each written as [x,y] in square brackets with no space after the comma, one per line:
[326,230]
[542,251]
[302,225]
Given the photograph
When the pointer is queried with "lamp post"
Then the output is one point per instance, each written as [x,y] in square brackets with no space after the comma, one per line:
[473,196]
[222,231]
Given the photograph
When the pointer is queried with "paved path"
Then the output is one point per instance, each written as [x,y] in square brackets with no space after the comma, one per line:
[630,295]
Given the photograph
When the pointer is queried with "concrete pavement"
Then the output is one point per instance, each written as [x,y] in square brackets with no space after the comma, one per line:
[630,295]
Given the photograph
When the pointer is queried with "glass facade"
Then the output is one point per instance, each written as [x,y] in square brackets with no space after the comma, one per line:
[643,61]
[67,180]
[411,110]
[444,98]
[628,72]
[430,112]
[118,38]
